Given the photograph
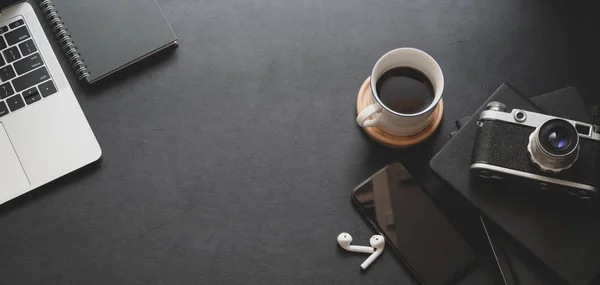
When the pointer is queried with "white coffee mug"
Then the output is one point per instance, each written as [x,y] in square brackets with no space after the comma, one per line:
[394,123]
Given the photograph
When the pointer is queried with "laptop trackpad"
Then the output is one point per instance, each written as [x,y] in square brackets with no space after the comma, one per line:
[13,181]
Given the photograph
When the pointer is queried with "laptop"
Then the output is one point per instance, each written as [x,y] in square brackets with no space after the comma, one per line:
[43,131]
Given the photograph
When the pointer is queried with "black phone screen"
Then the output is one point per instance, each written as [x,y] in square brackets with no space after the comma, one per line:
[398,206]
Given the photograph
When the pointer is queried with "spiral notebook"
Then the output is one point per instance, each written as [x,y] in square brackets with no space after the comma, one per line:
[101,37]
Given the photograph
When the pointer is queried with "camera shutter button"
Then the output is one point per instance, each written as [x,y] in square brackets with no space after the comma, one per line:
[497,106]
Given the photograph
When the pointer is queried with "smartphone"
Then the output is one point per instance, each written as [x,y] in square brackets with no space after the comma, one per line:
[398,207]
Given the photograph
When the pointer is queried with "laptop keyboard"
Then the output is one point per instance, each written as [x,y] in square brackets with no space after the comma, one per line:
[24,78]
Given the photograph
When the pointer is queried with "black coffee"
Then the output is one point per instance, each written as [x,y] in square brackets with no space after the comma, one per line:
[405,90]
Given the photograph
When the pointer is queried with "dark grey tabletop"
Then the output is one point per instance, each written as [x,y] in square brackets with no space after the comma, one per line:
[231,159]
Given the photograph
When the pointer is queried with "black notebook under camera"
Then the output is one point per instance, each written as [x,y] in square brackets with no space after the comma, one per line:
[563,232]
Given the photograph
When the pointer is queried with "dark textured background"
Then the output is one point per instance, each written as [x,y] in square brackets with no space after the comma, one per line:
[231,160]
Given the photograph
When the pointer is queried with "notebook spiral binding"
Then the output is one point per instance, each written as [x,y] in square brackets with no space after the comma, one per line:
[64,38]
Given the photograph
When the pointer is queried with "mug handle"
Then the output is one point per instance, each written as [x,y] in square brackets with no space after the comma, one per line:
[363,118]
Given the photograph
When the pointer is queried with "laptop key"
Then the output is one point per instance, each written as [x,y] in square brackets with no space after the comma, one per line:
[6,90]
[16,24]
[30,79]
[15,102]
[2,43]
[3,109]
[47,88]
[30,92]
[27,47]
[29,63]
[7,73]
[17,35]
[31,95]
[3,29]
[12,54]
[33,99]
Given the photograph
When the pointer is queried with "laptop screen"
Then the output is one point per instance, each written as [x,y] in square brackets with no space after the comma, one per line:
[6,3]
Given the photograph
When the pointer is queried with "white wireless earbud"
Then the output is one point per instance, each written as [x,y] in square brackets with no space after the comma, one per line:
[344,240]
[378,242]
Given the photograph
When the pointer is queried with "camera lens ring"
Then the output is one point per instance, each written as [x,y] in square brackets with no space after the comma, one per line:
[554,146]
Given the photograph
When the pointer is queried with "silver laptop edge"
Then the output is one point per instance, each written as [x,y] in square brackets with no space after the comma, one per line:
[49,138]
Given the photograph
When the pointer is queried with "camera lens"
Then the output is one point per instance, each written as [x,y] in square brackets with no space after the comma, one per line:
[558,140]
[558,137]
[554,146]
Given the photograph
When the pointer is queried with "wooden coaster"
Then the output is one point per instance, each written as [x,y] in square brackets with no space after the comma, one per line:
[365,98]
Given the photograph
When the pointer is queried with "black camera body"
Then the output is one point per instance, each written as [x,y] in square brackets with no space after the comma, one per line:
[546,152]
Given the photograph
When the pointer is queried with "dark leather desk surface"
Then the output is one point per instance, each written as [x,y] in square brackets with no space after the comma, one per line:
[232,159]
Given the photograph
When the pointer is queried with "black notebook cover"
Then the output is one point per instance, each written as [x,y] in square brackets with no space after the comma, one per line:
[563,232]
[565,103]
[108,35]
